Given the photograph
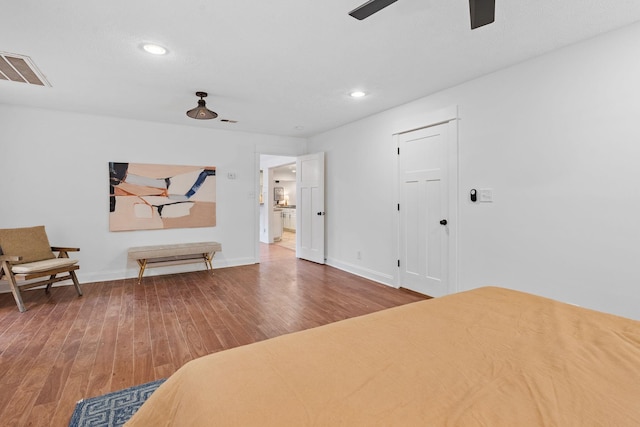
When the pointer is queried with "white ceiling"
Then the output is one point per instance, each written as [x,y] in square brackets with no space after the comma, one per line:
[276,65]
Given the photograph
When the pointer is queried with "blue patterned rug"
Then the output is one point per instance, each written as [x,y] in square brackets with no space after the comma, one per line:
[112,409]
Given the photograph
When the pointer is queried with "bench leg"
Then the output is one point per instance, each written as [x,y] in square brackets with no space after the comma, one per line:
[207,260]
[143,264]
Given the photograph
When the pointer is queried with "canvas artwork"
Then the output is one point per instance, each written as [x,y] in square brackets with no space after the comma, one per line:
[147,196]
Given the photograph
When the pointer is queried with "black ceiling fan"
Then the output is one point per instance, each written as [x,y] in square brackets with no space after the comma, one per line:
[482,11]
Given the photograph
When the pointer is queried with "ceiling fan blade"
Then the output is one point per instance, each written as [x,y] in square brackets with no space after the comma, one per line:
[369,8]
[483,12]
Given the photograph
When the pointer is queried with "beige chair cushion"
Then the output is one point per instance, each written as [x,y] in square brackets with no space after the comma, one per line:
[38,266]
[31,243]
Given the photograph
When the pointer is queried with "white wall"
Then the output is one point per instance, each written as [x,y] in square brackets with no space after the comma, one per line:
[289,192]
[558,140]
[54,171]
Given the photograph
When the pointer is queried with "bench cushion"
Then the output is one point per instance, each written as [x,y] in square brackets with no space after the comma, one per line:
[31,243]
[172,250]
[38,266]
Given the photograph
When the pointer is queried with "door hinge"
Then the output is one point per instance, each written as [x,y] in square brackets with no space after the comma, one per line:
[398,206]
[398,151]
[398,263]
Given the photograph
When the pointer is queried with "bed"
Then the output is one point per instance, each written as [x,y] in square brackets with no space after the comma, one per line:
[486,357]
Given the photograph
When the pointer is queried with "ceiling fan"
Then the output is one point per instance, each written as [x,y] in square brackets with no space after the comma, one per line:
[482,11]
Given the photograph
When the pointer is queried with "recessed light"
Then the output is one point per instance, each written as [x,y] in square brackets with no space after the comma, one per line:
[357,94]
[154,49]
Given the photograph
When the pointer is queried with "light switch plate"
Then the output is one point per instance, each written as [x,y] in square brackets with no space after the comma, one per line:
[486,195]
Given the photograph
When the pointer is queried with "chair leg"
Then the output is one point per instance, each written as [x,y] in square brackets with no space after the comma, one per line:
[15,290]
[48,288]
[75,282]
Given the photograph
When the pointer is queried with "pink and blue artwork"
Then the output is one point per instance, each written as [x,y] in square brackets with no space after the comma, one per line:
[148,196]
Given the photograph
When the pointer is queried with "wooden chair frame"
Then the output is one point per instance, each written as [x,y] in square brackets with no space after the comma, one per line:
[15,279]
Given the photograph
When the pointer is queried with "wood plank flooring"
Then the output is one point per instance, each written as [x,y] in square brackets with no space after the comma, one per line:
[120,334]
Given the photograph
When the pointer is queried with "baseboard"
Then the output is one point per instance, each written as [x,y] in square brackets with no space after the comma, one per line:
[105,276]
[376,276]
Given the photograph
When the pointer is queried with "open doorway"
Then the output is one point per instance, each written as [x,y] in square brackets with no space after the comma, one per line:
[285,202]
[307,208]
[277,190]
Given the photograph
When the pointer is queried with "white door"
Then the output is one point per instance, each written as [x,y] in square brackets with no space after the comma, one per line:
[424,210]
[310,207]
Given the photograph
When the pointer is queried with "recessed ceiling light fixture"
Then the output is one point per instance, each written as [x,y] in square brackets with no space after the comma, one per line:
[154,49]
[357,94]
[201,112]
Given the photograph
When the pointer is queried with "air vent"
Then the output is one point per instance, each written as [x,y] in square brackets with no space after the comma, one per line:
[20,68]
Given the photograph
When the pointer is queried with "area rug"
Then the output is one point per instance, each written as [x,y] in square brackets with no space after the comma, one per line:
[112,409]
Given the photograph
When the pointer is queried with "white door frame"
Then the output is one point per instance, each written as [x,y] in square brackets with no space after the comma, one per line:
[449,116]
[256,208]
[256,194]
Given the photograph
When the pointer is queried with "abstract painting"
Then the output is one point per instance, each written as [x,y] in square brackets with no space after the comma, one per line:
[147,196]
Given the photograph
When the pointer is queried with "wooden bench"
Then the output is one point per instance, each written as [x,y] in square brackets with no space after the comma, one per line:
[180,253]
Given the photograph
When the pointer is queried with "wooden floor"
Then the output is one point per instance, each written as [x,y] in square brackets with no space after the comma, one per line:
[119,334]
[287,240]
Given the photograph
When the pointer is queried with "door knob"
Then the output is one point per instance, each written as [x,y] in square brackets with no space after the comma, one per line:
[443,221]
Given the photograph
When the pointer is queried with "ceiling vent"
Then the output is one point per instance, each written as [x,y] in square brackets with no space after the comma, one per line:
[20,68]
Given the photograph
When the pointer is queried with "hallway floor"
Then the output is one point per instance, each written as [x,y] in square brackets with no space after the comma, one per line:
[288,240]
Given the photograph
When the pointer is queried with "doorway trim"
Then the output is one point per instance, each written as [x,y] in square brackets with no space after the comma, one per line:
[256,193]
[444,116]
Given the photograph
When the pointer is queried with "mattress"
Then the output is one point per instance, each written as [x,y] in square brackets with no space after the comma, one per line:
[486,357]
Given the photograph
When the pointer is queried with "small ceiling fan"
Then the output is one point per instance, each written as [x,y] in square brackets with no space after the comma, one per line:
[482,11]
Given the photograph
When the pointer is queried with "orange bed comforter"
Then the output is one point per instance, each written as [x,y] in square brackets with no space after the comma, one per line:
[487,357]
